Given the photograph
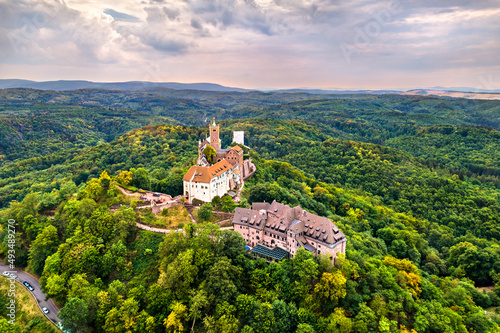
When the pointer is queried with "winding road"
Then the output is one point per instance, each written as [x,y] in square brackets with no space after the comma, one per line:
[39,295]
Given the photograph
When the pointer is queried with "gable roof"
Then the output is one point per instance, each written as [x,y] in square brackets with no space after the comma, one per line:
[237,148]
[203,174]
[279,218]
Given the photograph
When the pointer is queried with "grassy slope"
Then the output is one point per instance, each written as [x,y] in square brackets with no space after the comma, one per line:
[170,218]
[28,314]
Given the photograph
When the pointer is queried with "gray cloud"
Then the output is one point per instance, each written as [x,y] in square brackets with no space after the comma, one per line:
[165,43]
[171,13]
[121,16]
[422,36]
[196,24]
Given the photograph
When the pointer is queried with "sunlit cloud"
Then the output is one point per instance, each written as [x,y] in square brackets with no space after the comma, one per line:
[253,43]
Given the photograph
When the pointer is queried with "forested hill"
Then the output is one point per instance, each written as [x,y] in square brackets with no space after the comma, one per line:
[412,181]
[420,239]
[35,122]
[476,150]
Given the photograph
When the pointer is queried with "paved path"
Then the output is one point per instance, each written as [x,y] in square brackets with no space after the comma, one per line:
[237,198]
[39,295]
[148,228]
[191,216]
[224,221]
[126,192]
[227,228]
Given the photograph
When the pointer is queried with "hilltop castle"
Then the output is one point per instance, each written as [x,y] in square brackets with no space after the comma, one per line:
[218,174]
[234,155]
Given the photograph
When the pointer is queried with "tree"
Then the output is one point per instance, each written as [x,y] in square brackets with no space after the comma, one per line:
[220,281]
[104,180]
[432,316]
[224,320]
[93,189]
[158,299]
[44,245]
[305,328]
[198,301]
[478,322]
[245,305]
[179,274]
[74,315]
[259,193]
[339,323]
[283,315]
[210,153]
[332,286]
[227,204]
[130,314]
[205,212]
[264,318]
[140,178]
[113,322]
[305,270]
[173,184]
[216,201]
[365,320]
[409,273]
[32,227]
[4,302]
[55,287]
[174,322]
[124,178]
[48,201]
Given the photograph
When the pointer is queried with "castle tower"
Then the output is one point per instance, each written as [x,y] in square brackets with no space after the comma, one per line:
[214,135]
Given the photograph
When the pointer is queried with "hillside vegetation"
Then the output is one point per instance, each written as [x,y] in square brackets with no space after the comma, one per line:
[421,215]
[401,267]
[29,118]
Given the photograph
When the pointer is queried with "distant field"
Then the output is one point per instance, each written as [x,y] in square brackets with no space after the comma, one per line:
[29,317]
[455,94]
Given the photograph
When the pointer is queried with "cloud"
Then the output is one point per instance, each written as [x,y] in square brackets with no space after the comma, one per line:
[164,42]
[121,16]
[196,24]
[171,13]
[287,41]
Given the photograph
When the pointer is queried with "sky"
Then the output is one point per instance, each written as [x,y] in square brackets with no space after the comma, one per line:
[345,44]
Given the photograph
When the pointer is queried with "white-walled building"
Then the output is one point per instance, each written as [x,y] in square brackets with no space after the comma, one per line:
[206,182]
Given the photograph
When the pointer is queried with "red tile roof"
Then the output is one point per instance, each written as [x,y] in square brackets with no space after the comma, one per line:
[205,174]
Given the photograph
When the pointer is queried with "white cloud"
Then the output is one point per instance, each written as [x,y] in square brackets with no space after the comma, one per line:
[250,42]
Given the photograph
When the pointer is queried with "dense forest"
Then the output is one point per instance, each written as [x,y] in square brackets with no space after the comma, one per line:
[417,196]
[29,118]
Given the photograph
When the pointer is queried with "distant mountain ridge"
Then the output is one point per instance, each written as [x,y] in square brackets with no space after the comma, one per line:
[64,85]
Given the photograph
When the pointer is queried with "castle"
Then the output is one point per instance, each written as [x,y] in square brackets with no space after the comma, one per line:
[275,231]
[216,175]
[234,155]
